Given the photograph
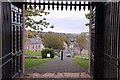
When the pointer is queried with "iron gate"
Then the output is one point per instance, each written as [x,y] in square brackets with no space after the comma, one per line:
[112,40]
[6,40]
[17,25]
[11,40]
[105,41]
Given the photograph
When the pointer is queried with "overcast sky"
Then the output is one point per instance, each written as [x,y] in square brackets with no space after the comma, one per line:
[67,21]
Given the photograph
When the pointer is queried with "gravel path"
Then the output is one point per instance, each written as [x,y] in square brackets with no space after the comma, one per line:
[67,65]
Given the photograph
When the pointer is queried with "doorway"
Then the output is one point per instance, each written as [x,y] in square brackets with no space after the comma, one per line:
[70,63]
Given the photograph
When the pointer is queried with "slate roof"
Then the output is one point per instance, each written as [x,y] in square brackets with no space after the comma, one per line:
[35,41]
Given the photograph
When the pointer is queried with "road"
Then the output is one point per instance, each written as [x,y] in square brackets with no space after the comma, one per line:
[67,65]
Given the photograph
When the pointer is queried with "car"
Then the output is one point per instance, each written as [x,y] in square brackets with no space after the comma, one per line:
[68,55]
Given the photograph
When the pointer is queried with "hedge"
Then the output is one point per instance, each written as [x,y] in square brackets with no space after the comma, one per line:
[47,50]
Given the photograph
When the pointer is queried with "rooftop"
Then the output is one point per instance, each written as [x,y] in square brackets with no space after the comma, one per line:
[35,40]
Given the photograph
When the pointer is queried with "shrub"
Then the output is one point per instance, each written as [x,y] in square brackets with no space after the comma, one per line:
[47,50]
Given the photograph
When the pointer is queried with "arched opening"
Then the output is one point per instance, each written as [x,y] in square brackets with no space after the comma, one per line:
[66,65]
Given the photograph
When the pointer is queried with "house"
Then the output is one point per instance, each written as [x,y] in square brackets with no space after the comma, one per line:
[34,44]
[65,45]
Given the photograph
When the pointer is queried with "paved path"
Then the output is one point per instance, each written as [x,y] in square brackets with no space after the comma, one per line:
[57,66]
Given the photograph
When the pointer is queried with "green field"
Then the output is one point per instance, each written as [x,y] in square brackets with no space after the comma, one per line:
[30,53]
[34,62]
[82,63]
[83,55]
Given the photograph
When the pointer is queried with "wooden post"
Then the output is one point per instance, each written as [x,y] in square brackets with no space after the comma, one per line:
[23,67]
[99,41]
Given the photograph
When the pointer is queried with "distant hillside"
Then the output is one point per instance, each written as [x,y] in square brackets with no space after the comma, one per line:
[71,36]
[68,35]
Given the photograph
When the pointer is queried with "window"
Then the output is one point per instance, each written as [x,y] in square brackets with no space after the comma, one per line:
[39,46]
[33,46]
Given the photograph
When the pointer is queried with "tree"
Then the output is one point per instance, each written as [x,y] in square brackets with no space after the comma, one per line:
[88,17]
[81,40]
[35,24]
[54,41]
[31,34]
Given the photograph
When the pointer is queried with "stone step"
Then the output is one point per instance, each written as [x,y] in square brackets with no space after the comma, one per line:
[57,75]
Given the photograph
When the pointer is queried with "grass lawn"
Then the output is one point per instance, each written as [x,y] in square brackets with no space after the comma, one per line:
[83,63]
[83,55]
[30,53]
[34,62]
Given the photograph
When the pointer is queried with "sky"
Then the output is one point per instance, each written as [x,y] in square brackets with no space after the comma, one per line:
[66,21]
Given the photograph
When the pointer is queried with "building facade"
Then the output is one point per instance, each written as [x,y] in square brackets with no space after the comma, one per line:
[34,44]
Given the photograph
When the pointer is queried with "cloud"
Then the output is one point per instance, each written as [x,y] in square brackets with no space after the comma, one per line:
[67,21]
[67,14]
[68,25]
